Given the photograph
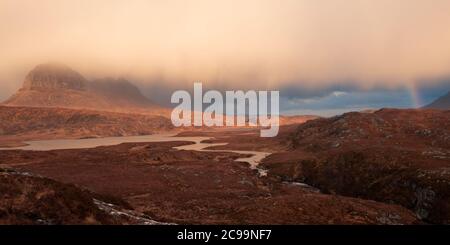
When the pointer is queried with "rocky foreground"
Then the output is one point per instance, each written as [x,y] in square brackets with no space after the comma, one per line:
[35,200]
[171,186]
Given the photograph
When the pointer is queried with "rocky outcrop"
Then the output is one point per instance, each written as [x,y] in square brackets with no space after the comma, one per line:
[362,175]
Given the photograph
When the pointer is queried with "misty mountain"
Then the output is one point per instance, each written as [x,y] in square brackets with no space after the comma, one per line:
[57,85]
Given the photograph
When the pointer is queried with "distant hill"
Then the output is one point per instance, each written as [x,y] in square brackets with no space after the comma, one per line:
[56,85]
[442,103]
[18,123]
[289,120]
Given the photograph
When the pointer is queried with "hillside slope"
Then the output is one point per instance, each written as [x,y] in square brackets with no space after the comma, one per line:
[391,155]
[442,103]
[27,199]
[25,123]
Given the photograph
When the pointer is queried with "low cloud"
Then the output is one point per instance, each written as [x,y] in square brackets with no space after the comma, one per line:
[314,46]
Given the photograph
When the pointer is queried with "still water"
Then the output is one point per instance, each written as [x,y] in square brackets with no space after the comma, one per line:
[59,144]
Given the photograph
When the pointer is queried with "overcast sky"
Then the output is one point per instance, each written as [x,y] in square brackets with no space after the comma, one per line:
[331,53]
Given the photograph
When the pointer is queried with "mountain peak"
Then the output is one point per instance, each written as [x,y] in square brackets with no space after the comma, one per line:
[120,89]
[53,76]
[442,103]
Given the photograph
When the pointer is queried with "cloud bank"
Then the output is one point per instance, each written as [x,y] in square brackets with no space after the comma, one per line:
[307,44]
